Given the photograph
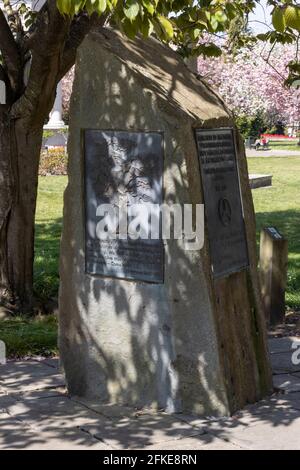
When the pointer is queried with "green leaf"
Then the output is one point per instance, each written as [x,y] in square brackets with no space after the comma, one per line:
[64,6]
[129,28]
[148,5]
[166,26]
[131,9]
[278,19]
[292,17]
[78,5]
[147,27]
[101,6]
[208,50]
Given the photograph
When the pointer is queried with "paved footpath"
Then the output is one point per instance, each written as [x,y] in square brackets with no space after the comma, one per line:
[36,413]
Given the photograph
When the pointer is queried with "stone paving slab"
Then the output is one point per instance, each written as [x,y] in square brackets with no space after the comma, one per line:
[108,410]
[48,361]
[202,442]
[56,411]
[282,363]
[279,345]
[28,375]
[36,413]
[147,429]
[15,435]
[266,435]
[287,382]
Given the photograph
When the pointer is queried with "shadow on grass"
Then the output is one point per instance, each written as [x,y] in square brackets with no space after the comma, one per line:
[288,223]
[46,273]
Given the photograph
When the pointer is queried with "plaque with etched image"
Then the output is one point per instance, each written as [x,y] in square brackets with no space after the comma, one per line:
[222,199]
[122,169]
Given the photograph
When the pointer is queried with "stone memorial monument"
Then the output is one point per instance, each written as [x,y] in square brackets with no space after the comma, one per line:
[148,321]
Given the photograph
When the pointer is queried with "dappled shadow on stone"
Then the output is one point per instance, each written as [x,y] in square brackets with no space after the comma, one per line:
[49,419]
[133,342]
[28,375]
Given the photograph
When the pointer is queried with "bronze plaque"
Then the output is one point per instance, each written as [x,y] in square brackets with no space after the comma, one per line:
[222,199]
[122,168]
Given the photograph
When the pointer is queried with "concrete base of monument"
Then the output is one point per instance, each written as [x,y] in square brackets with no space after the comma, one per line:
[187,341]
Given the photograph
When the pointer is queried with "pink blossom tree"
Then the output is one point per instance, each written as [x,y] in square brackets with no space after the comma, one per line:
[254,81]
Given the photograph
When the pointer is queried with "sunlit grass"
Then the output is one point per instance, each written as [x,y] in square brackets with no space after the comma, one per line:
[280,206]
[48,232]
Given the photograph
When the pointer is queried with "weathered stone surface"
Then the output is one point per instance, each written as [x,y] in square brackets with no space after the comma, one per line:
[282,363]
[30,375]
[42,411]
[202,442]
[190,343]
[15,435]
[279,345]
[147,429]
[287,382]
[282,435]
[47,419]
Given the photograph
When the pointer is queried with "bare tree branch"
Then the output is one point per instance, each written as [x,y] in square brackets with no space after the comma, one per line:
[10,53]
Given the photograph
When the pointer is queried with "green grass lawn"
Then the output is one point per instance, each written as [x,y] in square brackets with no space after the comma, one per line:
[282,145]
[48,231]
[29,336]
[280,206]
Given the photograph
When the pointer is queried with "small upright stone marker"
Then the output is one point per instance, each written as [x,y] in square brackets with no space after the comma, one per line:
[273,272]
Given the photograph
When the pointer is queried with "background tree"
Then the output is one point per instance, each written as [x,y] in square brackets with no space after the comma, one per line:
[252,82]
[38,48]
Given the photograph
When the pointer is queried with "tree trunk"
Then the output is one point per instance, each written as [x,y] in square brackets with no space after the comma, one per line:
[19,162]
[52,47]
[5,201]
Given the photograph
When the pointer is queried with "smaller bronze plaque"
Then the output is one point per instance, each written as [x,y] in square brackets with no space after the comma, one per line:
[222,199]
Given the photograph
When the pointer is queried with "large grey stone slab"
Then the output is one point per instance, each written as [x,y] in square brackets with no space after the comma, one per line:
[279,345]
[21,376]
[145,430]
[287,382]
[145,343]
